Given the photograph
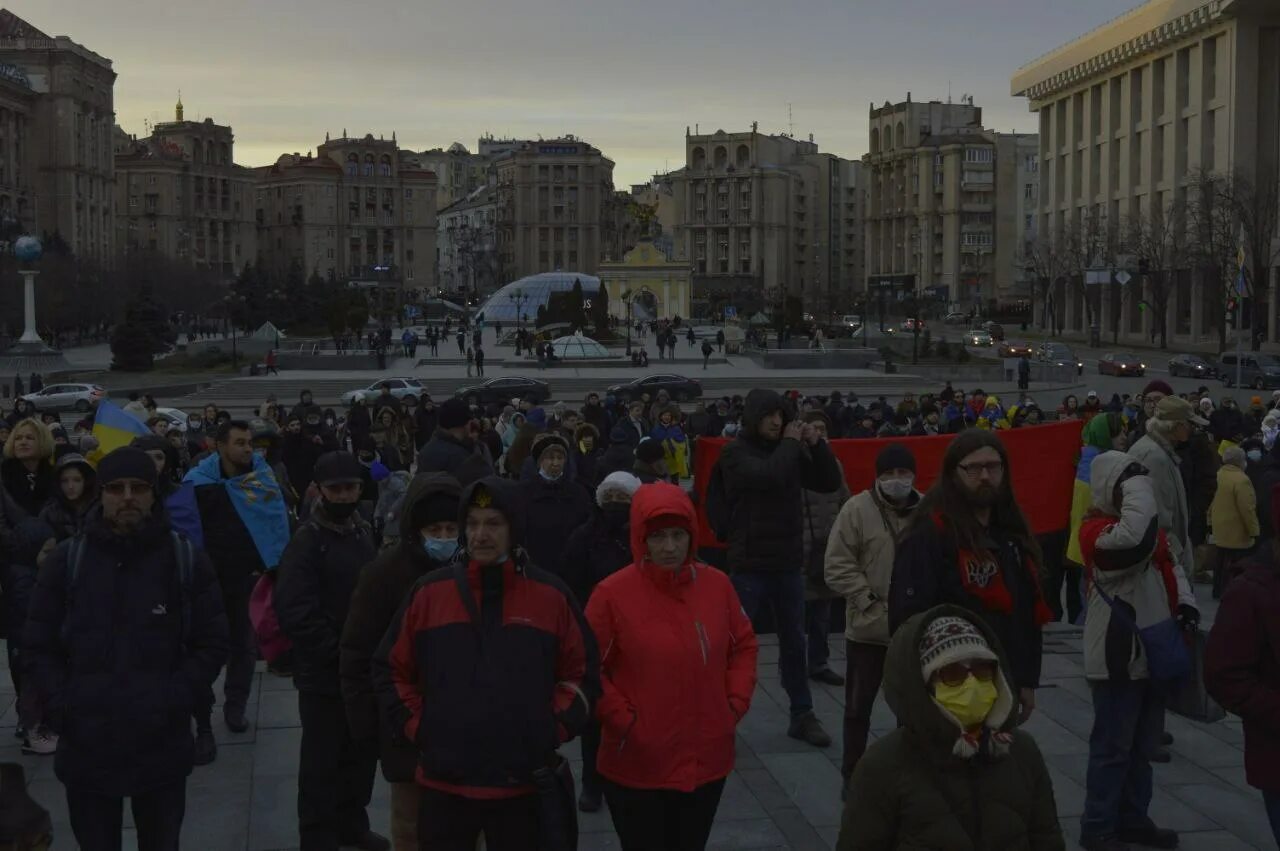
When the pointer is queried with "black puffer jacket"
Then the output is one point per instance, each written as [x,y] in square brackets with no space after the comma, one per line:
[553,510]
[316,579]
[597,549]
[30,490]
[108,652]
[445,453]
[763,480]
[1198,464]
[382,587]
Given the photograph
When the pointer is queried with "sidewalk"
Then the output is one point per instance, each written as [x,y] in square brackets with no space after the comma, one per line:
[782,795]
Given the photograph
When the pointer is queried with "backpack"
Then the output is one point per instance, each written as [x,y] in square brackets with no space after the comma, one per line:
[183,552]
[716,504]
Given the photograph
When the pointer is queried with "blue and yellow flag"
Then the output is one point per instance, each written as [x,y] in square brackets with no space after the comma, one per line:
[113,427]
[257,499]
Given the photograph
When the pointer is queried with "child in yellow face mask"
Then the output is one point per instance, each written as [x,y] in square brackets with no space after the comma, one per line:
[963,676]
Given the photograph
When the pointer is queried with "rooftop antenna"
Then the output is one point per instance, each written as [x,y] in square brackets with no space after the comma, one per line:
[791,125]
[948,92]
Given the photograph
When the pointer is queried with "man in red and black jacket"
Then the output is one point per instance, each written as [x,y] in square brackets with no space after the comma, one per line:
[487,669]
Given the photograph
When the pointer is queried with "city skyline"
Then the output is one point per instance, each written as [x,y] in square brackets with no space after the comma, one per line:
[636,76]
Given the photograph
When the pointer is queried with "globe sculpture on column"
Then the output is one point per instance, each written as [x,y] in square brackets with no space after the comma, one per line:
[30,352]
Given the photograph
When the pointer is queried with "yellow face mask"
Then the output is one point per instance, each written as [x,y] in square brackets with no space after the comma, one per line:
[970,702]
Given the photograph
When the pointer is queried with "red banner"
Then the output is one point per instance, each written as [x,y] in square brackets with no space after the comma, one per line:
[1042,458]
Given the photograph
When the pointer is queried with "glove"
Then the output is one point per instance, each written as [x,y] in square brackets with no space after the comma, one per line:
[1188,617]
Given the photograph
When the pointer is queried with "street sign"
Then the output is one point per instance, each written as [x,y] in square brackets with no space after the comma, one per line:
[1123,277]
[730,312]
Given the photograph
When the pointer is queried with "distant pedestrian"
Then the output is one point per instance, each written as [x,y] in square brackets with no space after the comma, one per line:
[270,362]
[706,353]
[471,357]
[18,389]
[720,340]
[1024,372]
[479,358]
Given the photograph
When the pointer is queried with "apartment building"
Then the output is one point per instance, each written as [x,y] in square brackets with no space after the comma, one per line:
[179,193]
[554,205]
[17,190]
[467,244]
[765,218]
[946,208]
[360,210]
[1130,114]
[69,169]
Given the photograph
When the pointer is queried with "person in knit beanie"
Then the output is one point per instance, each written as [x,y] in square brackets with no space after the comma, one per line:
[956,767]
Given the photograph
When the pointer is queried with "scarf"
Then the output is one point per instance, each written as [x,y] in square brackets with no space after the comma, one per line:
[982,579]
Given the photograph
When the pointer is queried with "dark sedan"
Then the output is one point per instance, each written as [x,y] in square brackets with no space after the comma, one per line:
[677,386]
[1121,363]
[1192,366]
[503,390]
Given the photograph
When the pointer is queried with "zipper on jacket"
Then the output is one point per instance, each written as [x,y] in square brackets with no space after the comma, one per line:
[622,743]
[704,643]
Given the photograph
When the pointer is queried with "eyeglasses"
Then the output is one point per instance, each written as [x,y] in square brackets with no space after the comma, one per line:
[991,468]
[122,488]
[957,672]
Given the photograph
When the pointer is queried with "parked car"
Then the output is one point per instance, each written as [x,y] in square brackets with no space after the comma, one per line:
[677,386]
[995,329]
[1121,363]
[977,337]
[956,318]
[1192,366]
[176,418]
[67,397]
[503,390]
[1059,354]
[851,321]
[400,387]
[1257,370]
[1014,349]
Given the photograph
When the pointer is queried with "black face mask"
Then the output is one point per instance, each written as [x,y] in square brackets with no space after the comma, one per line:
[339,511]
[616,515]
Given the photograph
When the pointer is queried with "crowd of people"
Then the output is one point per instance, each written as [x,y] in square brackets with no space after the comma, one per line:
[458,590]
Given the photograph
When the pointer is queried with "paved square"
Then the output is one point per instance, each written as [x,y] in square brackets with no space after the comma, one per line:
[782,795]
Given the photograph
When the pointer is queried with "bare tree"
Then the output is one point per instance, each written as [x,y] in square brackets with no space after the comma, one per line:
[1045,257]
[1255,206]
[1214,239]
[1158,237]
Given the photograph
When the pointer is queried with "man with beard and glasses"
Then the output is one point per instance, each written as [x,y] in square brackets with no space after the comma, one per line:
[969,544]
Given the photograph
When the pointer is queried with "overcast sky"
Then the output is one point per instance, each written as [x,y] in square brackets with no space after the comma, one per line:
[627,76]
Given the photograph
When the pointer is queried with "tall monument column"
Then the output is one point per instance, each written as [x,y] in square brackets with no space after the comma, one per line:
[30,353]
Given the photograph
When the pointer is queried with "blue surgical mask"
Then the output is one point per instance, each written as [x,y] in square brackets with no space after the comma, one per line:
[1254,455]
[440,549]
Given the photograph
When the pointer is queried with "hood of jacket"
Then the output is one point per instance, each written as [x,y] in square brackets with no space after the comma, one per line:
[933,730]
[422,488]
[759,404]
[660,500]
[1104,473]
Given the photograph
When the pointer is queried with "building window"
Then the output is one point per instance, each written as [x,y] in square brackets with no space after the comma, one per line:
[1029,192]
[977,155]
[408,193]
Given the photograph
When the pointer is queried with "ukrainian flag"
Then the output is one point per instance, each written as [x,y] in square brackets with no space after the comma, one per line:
[113,427]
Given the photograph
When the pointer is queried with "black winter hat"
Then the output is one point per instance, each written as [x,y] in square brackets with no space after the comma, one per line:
[454,413]
[497,493]
[147,442]
[649,451]
[435,508]
[543,442]
[895,456]
[127,462]
[336,468]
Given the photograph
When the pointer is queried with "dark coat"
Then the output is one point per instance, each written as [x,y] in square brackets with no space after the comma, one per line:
[425,421]
[620,455]
[596,551]
[226,540]
[1242,666]
[1226,424]
[763,480]
[314,584]
[912,791]
[553,511]
[108,654]
[1268,476]
[926,574]
[381,589]
[1198,463]
[300,454]
[445,453]
[30,490]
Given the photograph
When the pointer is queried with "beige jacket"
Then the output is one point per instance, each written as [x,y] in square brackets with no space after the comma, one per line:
[859,563]
[1234,512]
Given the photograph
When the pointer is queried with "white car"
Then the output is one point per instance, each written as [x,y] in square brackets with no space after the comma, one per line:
[400,387]
[67,397]
[177,418]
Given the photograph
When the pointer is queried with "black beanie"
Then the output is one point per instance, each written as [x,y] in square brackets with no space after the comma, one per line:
[127,462]
[146,442]
[454,413]
[895,456]
[649,451]
[436,508]
[543,442]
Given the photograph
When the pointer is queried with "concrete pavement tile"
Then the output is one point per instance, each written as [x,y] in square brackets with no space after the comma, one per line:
[744,756]
[273,812]
[271,682]
[1240,813]
[1052,737]
[34,767]
[737,803]
[830,834]
[51,795]
[812,783]
[1192,742]
[278,709]
[799,831]
[1173,813]
[1069,710]
[598,841]
[276,752]
[1182,771]
[1060,666]
[1072,765]
[215,791]
[770,796]
[1214,840]
[746,836]
[1234,775]
[1068,795]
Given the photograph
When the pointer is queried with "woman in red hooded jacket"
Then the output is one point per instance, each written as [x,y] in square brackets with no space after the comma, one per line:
[678,664]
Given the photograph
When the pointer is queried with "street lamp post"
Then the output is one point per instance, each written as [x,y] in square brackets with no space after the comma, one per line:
[231,302]
[626,299]
[518,297]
